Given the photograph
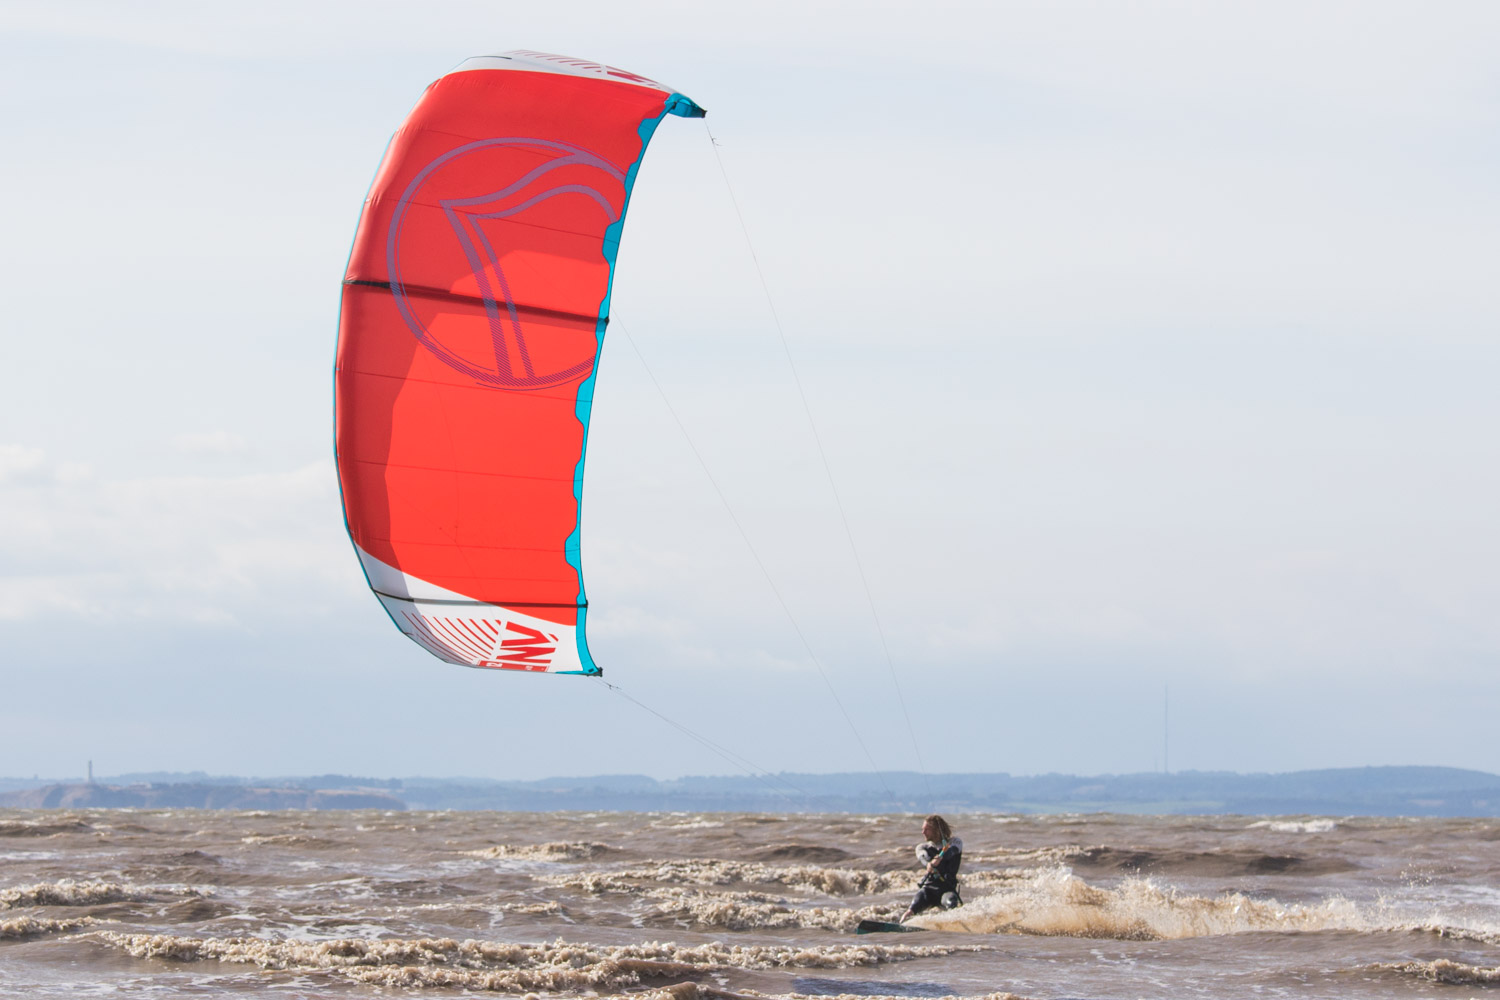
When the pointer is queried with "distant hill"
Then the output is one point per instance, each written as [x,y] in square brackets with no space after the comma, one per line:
[185,795]
[1368,791]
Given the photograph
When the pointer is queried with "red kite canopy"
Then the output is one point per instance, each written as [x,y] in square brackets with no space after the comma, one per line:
[474,307]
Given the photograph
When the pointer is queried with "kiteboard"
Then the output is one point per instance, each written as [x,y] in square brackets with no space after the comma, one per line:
[885,927]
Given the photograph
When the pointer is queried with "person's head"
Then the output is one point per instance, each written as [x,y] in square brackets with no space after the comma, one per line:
[936,829]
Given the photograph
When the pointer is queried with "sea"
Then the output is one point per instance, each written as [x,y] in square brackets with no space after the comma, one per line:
[198,903]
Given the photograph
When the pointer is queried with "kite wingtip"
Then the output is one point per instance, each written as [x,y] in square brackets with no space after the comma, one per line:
[684,107]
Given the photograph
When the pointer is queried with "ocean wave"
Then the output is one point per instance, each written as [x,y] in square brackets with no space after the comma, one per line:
[1295,825]
[1217,863]
[67,892]
[555,851]
[426,962]
[1443,970]
[28,926]
[1025,857]
[43,828]
[288,840]
[812,854]
[689,824]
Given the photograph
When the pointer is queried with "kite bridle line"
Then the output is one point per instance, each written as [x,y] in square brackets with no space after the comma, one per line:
[827,469]
[754,554]
[743,763]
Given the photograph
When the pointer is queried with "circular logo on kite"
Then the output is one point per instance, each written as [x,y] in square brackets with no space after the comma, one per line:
[496,253]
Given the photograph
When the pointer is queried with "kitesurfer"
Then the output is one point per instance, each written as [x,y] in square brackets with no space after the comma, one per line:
[942,854]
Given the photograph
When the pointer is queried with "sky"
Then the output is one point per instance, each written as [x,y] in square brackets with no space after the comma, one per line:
[1152,348]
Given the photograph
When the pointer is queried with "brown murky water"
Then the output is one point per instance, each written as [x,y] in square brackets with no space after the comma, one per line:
[197,903]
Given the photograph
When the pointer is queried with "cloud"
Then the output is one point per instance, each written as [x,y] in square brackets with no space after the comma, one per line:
[21,464]
[215,443]
[225,550]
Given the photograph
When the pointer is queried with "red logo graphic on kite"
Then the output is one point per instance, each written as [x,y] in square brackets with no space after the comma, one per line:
[492,262]
[532,651]
[481,641]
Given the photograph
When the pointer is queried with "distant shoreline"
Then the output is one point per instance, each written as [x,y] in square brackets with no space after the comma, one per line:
[1368,791]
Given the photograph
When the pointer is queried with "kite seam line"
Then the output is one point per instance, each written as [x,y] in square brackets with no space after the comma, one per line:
[425,292]
[477,603]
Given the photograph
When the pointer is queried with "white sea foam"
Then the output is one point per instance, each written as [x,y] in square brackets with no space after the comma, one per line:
[553,851]
[67,892]
[551,906]
[29,926]
[428,962]
[1295,825]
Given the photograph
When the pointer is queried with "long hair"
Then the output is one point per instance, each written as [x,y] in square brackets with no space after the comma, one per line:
[945,832]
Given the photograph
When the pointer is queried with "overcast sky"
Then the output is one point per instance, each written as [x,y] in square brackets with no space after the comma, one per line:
[1150,344]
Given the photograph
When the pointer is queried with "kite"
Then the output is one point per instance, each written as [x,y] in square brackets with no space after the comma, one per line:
[474,306]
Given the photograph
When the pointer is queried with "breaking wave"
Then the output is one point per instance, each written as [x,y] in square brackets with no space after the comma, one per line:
[551,906]
[287,840]
[70,893]
[29,926]
[554,851]
[508,967]
[678,823]
[1443,970]
[714,871]
[1295,825]
[1056,903]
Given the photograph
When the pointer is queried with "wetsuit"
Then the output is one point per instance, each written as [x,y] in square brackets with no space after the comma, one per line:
[939,887]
